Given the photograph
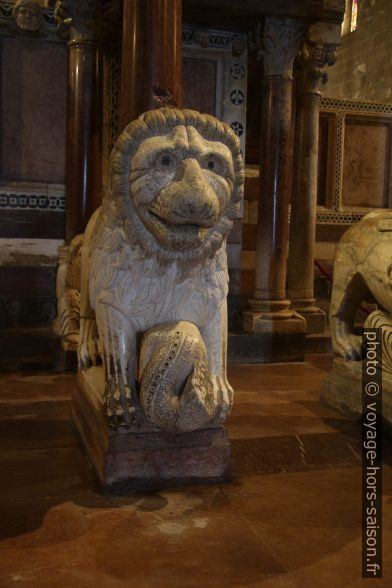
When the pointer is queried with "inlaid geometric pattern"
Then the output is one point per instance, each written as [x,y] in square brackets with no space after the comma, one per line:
[338,214]
[32,202]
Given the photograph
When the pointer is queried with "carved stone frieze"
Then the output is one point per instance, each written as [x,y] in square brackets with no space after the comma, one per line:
[76,19]
[278,42]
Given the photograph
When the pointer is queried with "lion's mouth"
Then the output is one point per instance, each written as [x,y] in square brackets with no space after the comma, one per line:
[176,226]
[179,235]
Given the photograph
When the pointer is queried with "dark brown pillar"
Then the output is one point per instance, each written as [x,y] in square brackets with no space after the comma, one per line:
[151,57]
[95,168]
[77,19]
[318,52]
[280,41]
[275,183]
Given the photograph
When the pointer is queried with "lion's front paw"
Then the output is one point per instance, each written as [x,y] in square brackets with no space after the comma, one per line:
[223,394]
[349,347]
[89,354]
[121,408]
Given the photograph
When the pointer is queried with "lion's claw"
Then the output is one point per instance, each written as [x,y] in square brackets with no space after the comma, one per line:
[89,354]
[223,393]
[121,407]
[349,347]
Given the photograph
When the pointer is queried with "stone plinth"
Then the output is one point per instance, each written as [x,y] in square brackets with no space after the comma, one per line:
[258,322]
[144,458]
[316,322]
[342,390]
[316,319]
[265,347]
[272,339]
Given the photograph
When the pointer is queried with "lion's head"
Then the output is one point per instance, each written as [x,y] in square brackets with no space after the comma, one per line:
[176,182]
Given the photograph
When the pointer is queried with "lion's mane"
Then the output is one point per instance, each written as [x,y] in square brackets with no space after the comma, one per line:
[117,205]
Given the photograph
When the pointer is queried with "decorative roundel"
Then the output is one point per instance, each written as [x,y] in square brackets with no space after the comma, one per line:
[237,71]
[237,127]
[236,97]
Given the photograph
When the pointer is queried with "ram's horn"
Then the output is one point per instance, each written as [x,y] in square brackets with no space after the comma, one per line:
[176,391]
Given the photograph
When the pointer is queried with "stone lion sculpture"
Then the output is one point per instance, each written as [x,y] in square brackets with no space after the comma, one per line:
[154,274]
[363,271]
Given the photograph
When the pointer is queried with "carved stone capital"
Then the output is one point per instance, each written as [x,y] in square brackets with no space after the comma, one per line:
[278,43]
[317,53]
[27,15]
[76,19]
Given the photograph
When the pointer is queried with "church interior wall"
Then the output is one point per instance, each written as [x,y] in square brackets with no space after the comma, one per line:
[363,69]
[32,156]
[32,196]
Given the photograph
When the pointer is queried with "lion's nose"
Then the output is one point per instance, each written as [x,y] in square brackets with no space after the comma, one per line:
[195,213]
[196,202]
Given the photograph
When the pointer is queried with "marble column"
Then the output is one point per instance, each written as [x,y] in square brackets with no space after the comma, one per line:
[77,19]
[270,311]
[318,51]
[95,167]
[151,57]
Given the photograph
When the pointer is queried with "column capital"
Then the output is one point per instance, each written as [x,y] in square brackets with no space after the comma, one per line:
[76,19]
[27,15]
[278,42]
[317,53]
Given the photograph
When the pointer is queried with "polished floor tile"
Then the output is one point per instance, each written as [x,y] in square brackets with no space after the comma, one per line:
[290,517]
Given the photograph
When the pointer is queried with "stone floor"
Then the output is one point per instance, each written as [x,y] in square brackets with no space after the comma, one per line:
[291,517]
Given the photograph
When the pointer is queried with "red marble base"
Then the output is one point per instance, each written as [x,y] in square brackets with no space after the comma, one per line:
[144,459]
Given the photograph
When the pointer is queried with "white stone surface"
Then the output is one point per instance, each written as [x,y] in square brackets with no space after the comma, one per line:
[154,257]
[362,271]
[29,252]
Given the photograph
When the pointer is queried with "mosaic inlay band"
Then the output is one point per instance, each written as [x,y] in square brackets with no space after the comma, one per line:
[32,202]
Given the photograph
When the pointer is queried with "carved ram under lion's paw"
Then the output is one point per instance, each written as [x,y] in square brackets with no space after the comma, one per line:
[153,257]
[362,272]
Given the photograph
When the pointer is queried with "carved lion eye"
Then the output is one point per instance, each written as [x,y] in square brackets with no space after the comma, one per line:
[214,164]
